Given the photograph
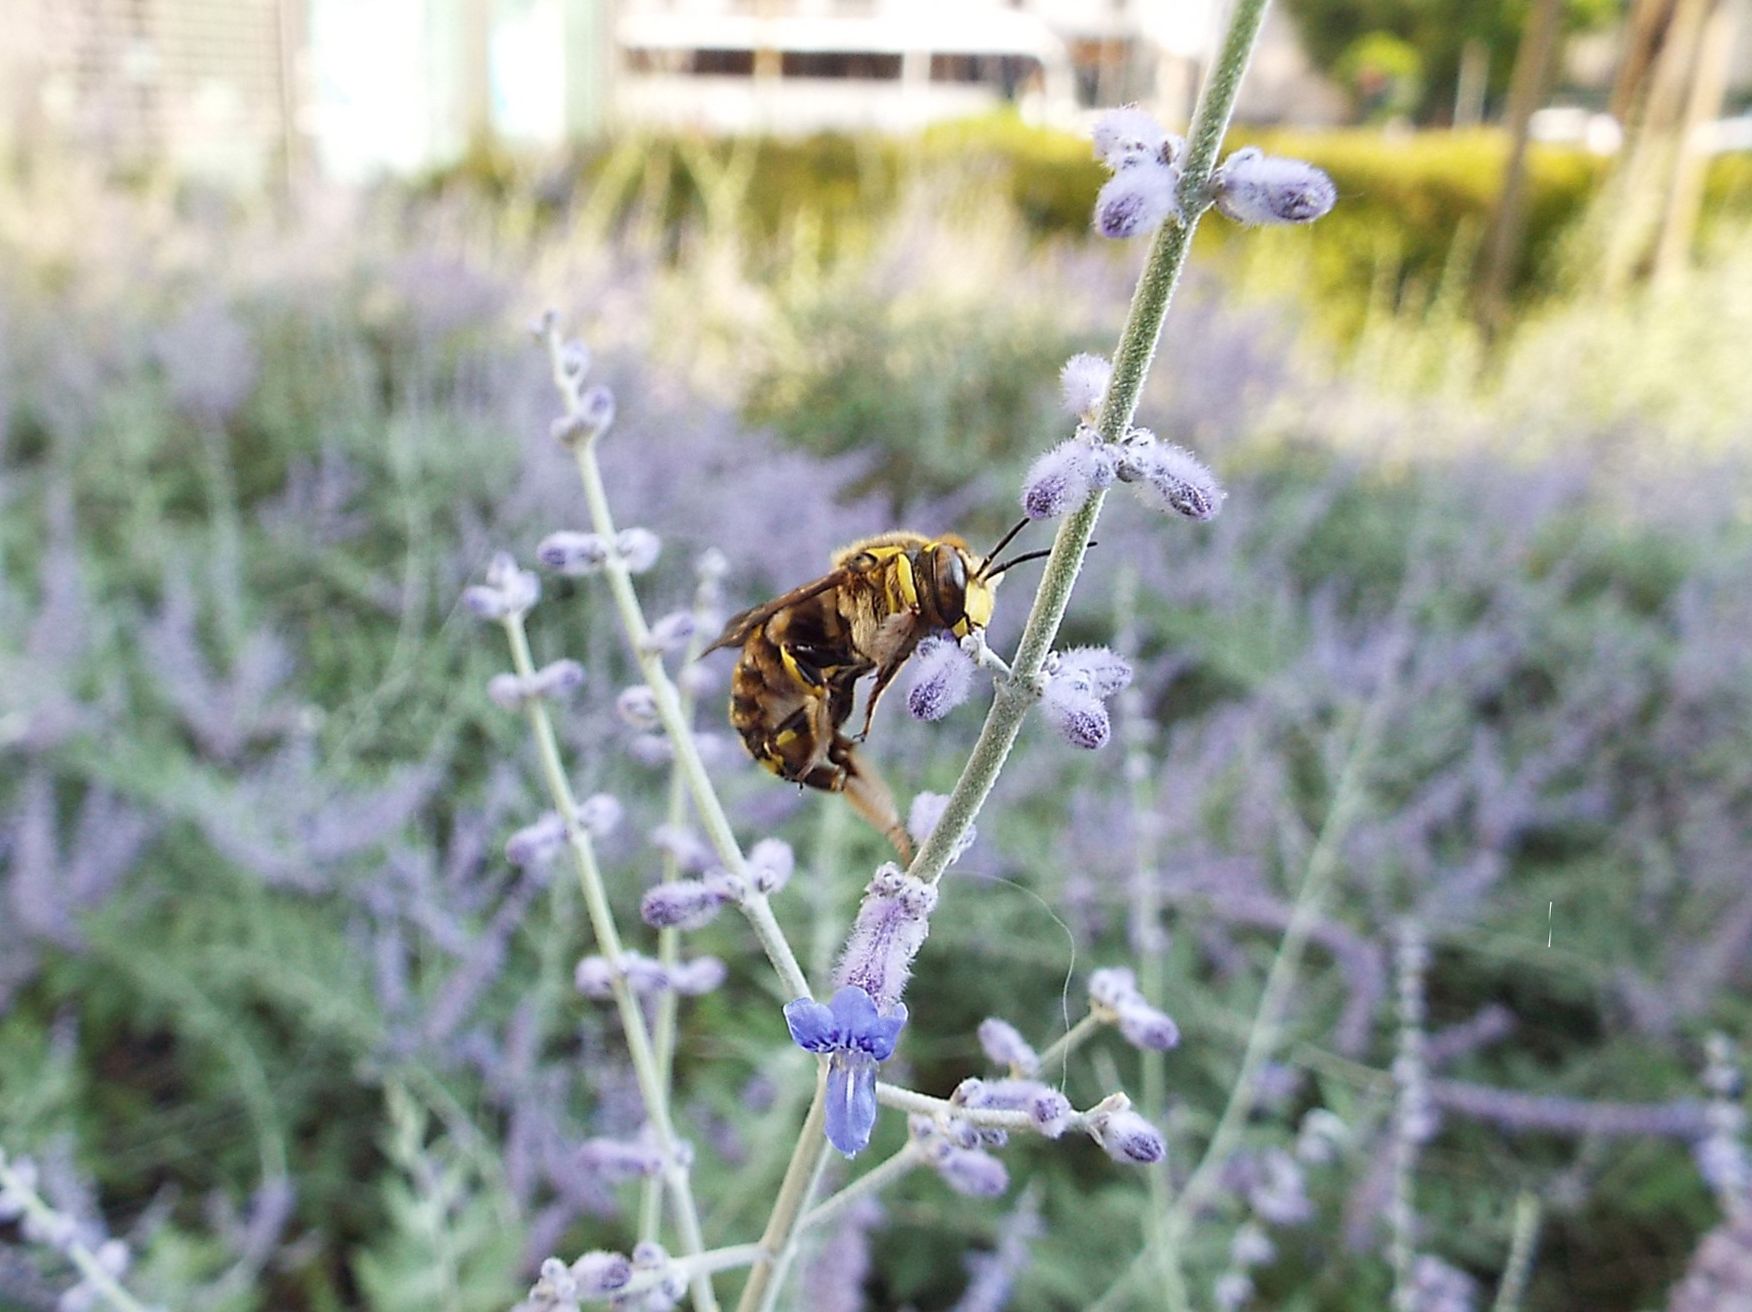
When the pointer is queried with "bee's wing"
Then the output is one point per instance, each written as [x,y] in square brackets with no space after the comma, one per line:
[740,626]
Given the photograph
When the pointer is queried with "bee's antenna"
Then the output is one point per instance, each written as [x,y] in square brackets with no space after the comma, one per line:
[1018,560]
[1005,541]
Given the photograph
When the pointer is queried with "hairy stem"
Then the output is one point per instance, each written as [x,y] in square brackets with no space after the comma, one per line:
[755,906]
[669,938]
[801,1176]
[632,1019]
[1131,365]
[1068,1042]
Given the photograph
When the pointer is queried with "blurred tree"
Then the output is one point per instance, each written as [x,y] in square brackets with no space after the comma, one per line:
[1364,42]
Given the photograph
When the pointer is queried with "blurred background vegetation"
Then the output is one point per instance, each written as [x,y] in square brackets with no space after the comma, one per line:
[274,1007]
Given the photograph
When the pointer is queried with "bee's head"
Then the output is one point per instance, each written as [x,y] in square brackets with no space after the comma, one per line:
[964,599]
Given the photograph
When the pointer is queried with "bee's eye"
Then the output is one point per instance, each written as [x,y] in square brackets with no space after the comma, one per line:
[957,570]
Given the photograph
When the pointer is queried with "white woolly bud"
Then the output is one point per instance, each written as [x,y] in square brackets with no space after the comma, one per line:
[1171,479]
[600,814]
[942,678]
[672,632]
[637,705]
[1137,201]
[572,553]
[506,691]
[1130,136]
[638,548]
[1083,383]
[1255,188]
[1060,480]
[770,863]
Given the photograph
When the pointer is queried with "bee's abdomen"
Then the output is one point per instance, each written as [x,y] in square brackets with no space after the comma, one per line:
[770,709]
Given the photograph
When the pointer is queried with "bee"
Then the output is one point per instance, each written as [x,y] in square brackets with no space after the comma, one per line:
[804,652]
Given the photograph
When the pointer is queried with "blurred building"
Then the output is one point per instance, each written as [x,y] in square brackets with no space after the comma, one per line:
[244,92]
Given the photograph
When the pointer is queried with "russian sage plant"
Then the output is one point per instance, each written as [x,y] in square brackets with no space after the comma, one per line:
[853,1024]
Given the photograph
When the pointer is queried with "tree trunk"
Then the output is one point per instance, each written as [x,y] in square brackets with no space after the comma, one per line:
[1535,66]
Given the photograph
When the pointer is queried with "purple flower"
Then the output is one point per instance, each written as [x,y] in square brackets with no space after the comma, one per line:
[672,632]
[572,553]
[1127,1137]
[684,903]
[1004,1045]
[637,705]
[1137,200]
[942,678]
[600,814]
[1253,188]
[893,920]
[508,591]
[855,1037]
[535,843]
[770,863]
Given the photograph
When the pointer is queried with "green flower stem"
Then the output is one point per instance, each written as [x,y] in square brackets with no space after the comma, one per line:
[632,1019]
[1522,1244]
[1131,365]
[669,938]
[867,1185]
[90,1269]
[755,906]
[802,1174]
[1072,1039]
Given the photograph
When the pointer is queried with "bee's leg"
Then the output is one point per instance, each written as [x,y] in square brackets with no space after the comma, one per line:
[884,677]
[865,790]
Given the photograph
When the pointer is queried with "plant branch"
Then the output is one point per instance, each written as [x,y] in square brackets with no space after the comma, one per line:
[632,1019]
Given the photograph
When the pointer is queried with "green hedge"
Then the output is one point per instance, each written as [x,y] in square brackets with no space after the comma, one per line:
[1406,198]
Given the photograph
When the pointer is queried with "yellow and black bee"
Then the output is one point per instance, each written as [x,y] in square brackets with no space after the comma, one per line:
[802,654]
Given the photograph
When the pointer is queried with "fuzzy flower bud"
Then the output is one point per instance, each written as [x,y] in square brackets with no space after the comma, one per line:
[638,548]
[508,591]
[770,863]
[596,409]
[600,814]
[1321,1137]
[1076,714]
[1126,1136]
[892,923]
[1172,480]
[1254,188]
[671,633]
[572,553]
[971,1171]
[620,1159]
[637,706]
[942,678]
[1083,383]
[536,842]
[556,679]
[1143,1026]
[1049,1109]
[506,691]
[1137,200]
[594,976]
[682,904]
[1129,136]
[1004,1045]
[699,976]
[926,813]
[1060,480]
[1100,670]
